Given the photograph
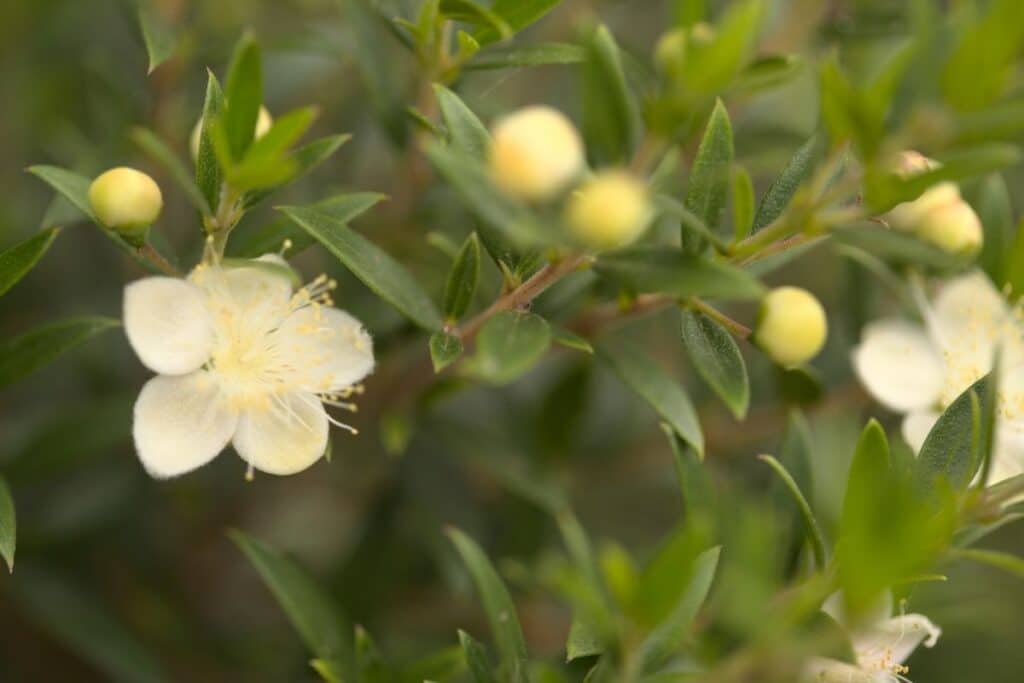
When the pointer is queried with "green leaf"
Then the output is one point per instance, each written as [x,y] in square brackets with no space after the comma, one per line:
[713,66]
[156,148]
[243,96]
[73,186]
[476,659]
[530,55]
[692,226]
[611,119]
[267,163]
[811,528]
[995,210]
[657,387]
[782,189]
[462,279]
[22,355]
[501,613]
[718,360]
[445,349]
[708,187]
[898,247]
[517,14]
[950,452]
[977,72]
[869,466]
[742,203]
[208,171]
[8,525]
[323,628]
[665,639]
[509,344]
[570,340]
[668,270]
[993,558]
[583,641]
[465,131]
[16,261]
[302,161]
[156,34]
[476,15]
[767,72]
[694,482]
[377,270]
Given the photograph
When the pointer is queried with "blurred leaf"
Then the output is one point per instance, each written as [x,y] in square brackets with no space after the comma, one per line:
[501,613]
[666,638]
[708,188]
[694,482]
[713,66]
[668,270]
[950,452]
[529,55]
[156,34]
[8,525]
[156,148]
[611,119]
[996,213]
[324,629]
[462,279]
[898,247]
[476,659]
[509,344]
[243,96]
[476,15]
[782,189]
[73,186]
[302,161]
[375,268]
[16,261]
[583,641]
[76,618]
[978,70]
[811,527]
[742,203]
[870,465]
[465,131]
[847,113]
[658,388]
[28,352]
[445,349]
[993,558]
[517,14]
[768,72]
[694,230]
[718,360]
[208,172]
[267,163]
[570,340]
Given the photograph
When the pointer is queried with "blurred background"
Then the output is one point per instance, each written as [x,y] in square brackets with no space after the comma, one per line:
[120,577]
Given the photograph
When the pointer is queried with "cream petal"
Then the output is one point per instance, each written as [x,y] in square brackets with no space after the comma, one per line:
[968,318]
[824,670]
[168,324]
[1008,454]
[916,426]
[261,288]
[327,348]
[181,423]
[286,436]
[899,365]
[889,643]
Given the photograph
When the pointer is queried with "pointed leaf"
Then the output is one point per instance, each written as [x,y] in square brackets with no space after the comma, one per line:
[517,14]
[528,55]
[811,527]
[445,349]
[16,261]
[476,659]
[778,196]
[156,34]
[950,453]
[208,171]
[243,94]
[8,525]
[467,134]
[718,360]
[156,148]
[708,187]
[462,279]
[742,203]
[611,120]
[24,354]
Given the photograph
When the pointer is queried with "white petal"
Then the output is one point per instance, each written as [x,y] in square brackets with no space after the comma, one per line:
[823,670]
[327,348]
[181,423]
[262,288]
[1008,454]
[916,427]
[899,365]
[286,437]
[168,324]
[892,641]
[968,318]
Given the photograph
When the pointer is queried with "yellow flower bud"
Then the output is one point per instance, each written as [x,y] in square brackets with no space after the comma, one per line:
[263,123]
[535,152]
[954,228]
[911,216]
[610,210]
[125,200]
[792,326]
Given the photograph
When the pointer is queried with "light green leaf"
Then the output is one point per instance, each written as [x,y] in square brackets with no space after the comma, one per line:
[16,261]
[476,659]
[718,360]
[518,14]
[243,95]
[156,34]
[208,171]
[658,388]
[570,340]
[781,191]
[993,558]
[509,344]
[530,55]
[462,279]
[324,629]
[267,162]
[501,613]
[475,14]
[24,354]
[692,226]
[708,187]
[767,72]
[611,119]
[668,270]
[73,186]
[977,72]
[583,641]
[742,203]
[374,267]
[869,466]
[811,527]
[8,525]
[302,161]
[950,453]
[156,148]
[445,349]
[465,131]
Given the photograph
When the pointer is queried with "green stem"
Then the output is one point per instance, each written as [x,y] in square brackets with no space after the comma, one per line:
[737,329]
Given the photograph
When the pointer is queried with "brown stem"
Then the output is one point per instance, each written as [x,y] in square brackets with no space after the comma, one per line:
[150,254]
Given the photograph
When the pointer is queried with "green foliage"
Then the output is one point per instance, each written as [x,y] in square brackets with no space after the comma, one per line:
[16,261]
[717,359]
[158,36]
[26,353]
[509,344]
[462,279]
[8,525]
[708,188]
[611,121]
[673,272]
[445,349]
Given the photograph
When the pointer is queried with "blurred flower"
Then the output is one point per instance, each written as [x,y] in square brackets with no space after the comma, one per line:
[920,371]
[125,200]
[610,210]
[535,153]
[263,123]
[241,358]
[881,644]
[792,326]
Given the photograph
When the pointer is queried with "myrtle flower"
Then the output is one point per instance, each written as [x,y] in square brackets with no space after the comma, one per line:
[241,358]
[881,643]
[919,371]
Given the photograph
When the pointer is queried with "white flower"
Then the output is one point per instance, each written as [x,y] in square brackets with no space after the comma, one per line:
[880,642]
[242,359]
[919,371]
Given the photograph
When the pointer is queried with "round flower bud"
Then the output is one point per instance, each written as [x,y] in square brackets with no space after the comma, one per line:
[792,326]
[263,123]
[911,216]
[535,152]
[954,228]
[125,200]
[610,210]
[670,51]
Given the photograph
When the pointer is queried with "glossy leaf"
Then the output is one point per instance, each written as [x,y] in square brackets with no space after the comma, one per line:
[509,344]
[611,120]
[28,352]
[462,279]
[445,349]
[668,270]
[708,188]
[8,525]
[18,260]
[782,189]
[717,359]
[465,131]
[374,267]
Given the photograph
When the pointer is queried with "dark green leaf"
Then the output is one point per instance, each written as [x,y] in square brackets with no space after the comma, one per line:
[156,34]
[668,270]
[898,247]
[476,659]
[208,171]
[243,94]
[811,528]
[375,268]
[611,120]
[996,214]
[509,344]
[950,453]
[445,349]
[24,354]
[8,525]
[782,189]
[462,279]
[156,148]
[501,613]
[718,360]
[708,187]
[16,261]
[657,387]
[517,14]
[465,131]
[530,55]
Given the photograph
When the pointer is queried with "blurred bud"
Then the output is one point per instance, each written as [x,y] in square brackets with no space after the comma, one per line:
[670,52]
[263,123]
[792,326]
[610,210]
[535,152]
[125,200]
[954,228]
